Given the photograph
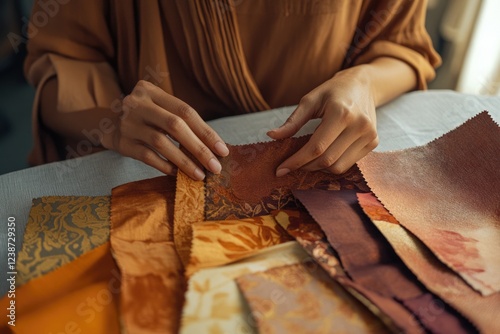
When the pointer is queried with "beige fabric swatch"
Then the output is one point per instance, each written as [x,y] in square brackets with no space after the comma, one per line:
[447,194]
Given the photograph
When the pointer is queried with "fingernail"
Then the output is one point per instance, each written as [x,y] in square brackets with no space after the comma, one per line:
[282,172]
[221,148]
[214,166]
[198,174]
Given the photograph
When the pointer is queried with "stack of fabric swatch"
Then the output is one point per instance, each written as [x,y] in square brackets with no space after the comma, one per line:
[406,241]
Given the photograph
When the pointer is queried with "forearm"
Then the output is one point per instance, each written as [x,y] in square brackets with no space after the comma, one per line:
[74,125]
[387,78]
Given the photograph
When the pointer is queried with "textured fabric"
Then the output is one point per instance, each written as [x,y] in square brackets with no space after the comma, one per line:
[217,243]
[141,239]
[372,263]
[213,302]
[310,236]
[450,201]
[215,55]
[481,311]
[302,298]
[81,296]
[248,187]
[59,230]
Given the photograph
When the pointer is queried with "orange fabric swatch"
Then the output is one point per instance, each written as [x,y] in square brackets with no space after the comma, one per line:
[217,243]
[141,240]
[79,297]
[438,278]
[447,194]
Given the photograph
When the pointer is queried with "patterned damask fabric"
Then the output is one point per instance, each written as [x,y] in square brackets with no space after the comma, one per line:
[285,300]
[446,193]
[217,243]
[437,277]
[59,230]
[248,187]
[213,303]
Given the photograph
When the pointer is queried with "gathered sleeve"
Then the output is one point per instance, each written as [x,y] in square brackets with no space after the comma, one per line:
[75,46]
[396,29]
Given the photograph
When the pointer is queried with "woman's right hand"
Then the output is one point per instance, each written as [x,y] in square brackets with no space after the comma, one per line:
[151,119]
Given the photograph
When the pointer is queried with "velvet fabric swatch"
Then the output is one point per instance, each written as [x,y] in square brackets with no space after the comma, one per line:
[285,300]
[437,277]
[78,297]
[372,263]
[141,239]
[446,193]
[213,302]
[248,187]
[59,230]
[310,236]
[217,243]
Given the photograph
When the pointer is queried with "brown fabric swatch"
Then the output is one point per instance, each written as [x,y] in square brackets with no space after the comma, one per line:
[217,243]
[446,193]
[248,187]
[59,230]
[81,296]
[141,240]
[437,277]
[310,236]
[285,300]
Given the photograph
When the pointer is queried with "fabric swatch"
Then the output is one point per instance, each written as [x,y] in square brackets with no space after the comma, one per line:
[216,243]
[446,193]
[285,300]
[248,187]
[78,297]
[310,236]
[372,263]
[437,277]
[213,301]
[59,230]
[141,239]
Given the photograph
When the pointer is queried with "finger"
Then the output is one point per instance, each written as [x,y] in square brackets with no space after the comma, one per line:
[161,144]
[352,155]
[177,128]
[150,157]
[300,116]
[199,127]
[319,142]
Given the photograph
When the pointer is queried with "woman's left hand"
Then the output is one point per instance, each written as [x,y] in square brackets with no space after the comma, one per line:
[347,131]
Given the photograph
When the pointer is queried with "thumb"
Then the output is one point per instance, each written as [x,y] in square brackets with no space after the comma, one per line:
[300,116]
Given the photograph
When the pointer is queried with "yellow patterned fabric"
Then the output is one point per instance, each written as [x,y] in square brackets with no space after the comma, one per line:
[217,243]
[59,230]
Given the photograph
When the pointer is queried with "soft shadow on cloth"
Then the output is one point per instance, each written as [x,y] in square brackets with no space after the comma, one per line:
[446,194]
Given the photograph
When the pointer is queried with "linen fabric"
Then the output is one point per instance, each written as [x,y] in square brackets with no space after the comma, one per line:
[302,298]
[446,194]
[59,230]
[481,311]
[141,239]
[221,57]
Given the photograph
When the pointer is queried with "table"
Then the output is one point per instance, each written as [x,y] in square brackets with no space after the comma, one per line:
[411,120]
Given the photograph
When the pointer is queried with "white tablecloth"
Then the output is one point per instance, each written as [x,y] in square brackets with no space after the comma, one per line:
[413,119]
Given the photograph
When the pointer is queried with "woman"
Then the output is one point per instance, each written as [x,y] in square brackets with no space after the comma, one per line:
[131,75]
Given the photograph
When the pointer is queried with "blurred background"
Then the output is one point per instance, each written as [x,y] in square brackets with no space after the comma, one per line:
[464,32]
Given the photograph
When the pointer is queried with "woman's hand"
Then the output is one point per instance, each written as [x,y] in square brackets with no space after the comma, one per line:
[347,132]
[151,119]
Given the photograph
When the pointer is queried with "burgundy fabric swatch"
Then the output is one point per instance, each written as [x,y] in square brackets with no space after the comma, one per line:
[367,257]
[447,194]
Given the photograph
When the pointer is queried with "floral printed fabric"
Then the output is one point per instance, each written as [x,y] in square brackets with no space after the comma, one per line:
[285,300]
[438,278]
[59,230]
[213,303]
[216,243]
[446,194]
